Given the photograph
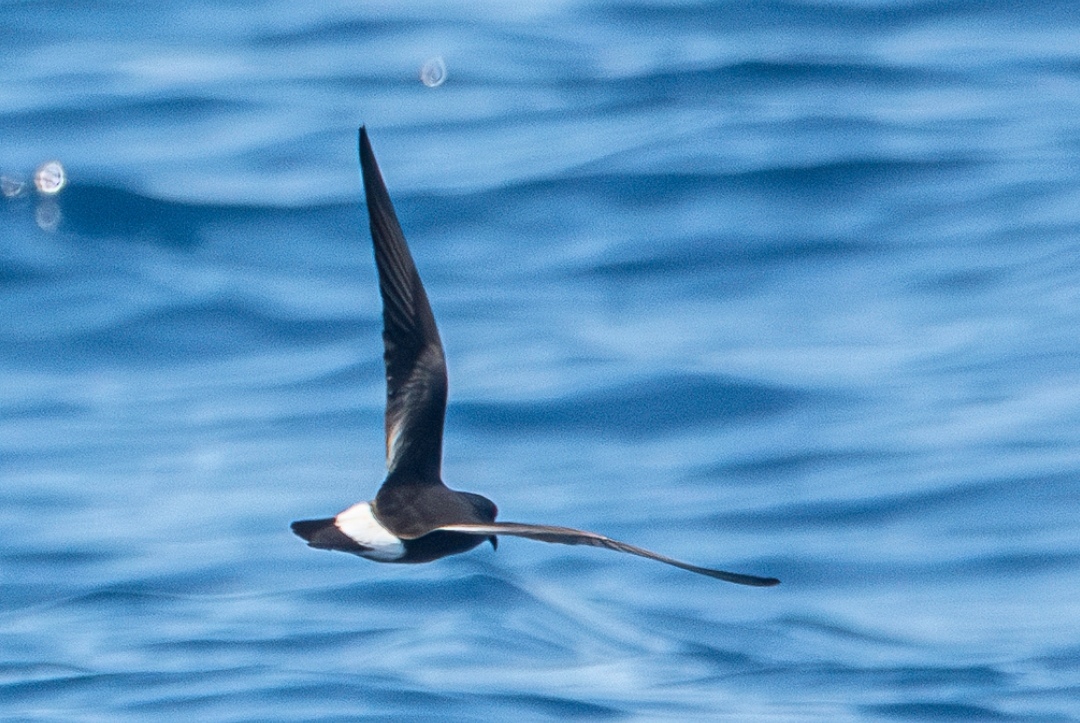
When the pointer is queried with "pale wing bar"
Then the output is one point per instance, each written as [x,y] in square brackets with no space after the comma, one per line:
[570,536]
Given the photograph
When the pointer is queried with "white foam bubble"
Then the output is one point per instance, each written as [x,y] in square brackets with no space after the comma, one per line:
[50,178]
[11,187]
[433,72]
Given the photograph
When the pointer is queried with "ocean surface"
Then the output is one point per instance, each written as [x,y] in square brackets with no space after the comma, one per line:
[790,288]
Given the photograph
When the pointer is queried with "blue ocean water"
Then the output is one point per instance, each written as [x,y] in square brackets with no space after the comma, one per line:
[788,288]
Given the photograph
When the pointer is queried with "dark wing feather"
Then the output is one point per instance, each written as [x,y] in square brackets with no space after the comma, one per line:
[570,536]
[415,365]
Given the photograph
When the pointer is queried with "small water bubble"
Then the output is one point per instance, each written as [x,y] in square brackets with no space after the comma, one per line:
[47,215]
[433,72]
[49,177]
[11,187]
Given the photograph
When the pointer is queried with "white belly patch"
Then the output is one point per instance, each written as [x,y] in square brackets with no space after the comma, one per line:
[360,524]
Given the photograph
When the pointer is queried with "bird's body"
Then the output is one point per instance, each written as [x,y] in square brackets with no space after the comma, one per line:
[415,517]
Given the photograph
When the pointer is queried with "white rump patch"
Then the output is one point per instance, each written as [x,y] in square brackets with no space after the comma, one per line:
[360,524]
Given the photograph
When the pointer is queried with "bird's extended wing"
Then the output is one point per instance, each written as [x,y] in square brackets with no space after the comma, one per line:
[415,365]
[570,536]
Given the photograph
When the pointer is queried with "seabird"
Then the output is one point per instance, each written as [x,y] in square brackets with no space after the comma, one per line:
[414,516]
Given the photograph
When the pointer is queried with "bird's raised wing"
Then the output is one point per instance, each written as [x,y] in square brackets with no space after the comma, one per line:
[570,536]
[415,366]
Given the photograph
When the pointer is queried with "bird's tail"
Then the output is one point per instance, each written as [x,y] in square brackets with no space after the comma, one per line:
[323,534]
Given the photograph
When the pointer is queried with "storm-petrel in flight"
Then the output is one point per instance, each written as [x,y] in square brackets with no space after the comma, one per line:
[415,517]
